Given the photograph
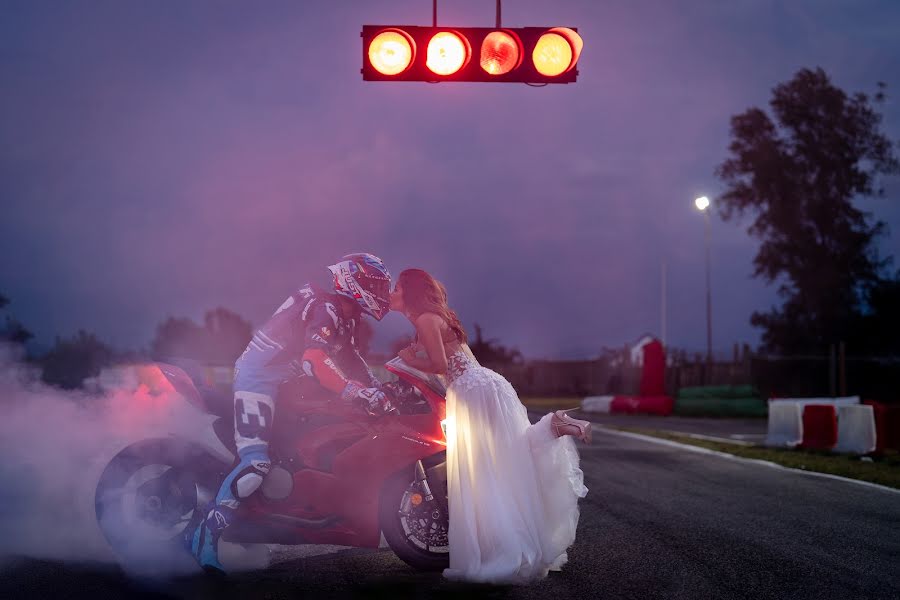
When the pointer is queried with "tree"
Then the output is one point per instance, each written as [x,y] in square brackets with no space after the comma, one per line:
[220,340]
[798,176]
[228,335]
[72,360]
[13,331]
[491,352]
[881,320]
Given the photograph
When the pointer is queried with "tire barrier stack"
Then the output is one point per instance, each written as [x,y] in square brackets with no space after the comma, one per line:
[720,401]
[711,401]
[836,424]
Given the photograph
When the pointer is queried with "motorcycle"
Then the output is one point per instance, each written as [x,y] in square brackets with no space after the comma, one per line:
[338,476]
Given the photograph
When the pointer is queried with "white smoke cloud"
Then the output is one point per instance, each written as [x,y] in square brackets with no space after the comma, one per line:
[54,446]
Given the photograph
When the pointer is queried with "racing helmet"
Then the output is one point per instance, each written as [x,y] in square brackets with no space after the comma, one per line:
[364,278]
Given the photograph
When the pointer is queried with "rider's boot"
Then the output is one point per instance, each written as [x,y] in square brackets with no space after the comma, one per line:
[203,542]
[243,480]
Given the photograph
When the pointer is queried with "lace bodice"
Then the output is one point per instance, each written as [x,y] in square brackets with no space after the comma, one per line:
[458,363]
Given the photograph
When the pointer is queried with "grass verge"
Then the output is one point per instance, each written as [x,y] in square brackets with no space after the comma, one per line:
[883,470]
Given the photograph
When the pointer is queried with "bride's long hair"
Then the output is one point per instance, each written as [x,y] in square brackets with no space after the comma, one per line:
[423,293]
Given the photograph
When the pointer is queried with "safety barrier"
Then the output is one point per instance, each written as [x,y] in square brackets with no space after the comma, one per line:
[819,426]
[839,401]
[856,429]
[887,426]
[838,424]
[785,428]
[652,405]
[598,404]
[629,405]
[790,427]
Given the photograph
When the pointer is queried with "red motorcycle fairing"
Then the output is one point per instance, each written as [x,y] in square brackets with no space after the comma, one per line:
[165,377]
[337,476]
[340,468]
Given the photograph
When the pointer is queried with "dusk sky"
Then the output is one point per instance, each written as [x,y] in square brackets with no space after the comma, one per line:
[163,158]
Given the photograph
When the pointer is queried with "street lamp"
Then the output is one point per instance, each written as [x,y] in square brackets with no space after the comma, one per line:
[702,204]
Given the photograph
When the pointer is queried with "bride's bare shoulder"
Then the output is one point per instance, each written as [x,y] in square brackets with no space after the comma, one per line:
[430,319]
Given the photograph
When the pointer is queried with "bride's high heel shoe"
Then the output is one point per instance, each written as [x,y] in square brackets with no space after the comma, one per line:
[563,424]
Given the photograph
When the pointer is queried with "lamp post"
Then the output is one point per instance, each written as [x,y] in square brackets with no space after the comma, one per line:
[702,204]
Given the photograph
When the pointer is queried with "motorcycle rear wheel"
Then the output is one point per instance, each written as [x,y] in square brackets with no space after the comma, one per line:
[145,500]
[415,528]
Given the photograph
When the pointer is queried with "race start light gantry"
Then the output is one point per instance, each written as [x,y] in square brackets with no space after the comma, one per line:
[520,55]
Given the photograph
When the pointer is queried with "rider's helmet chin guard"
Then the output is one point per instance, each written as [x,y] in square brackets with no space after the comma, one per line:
[364,278]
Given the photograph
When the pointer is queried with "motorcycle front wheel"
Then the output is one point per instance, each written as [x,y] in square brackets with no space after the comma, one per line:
[414,526]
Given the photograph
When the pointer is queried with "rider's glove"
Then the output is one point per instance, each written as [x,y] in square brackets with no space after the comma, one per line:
[374,382]
[372,400]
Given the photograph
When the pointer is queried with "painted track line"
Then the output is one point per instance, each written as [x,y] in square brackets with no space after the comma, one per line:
[700,450]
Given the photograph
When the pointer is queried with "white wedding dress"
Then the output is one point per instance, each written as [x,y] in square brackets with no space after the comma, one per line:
[513,487]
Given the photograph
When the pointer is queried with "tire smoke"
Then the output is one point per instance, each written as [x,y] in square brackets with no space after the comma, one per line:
[54,445]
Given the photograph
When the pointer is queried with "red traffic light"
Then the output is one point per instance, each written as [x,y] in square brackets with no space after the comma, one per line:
[391,52]
[524,55]
[447,53]
[501,52]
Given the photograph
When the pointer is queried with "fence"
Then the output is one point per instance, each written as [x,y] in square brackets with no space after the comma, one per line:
[568,378]
[773,376]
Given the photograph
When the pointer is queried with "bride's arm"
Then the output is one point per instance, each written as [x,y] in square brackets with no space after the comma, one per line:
[428,328]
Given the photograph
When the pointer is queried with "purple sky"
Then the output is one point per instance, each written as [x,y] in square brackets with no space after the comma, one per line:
[164,158]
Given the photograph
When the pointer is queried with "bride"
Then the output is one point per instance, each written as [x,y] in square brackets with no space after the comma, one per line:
[513,487]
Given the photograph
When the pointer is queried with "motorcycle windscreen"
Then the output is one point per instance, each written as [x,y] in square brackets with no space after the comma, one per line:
[183,384]
[434,381]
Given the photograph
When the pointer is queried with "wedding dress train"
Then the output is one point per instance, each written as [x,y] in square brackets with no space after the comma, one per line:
[513,487]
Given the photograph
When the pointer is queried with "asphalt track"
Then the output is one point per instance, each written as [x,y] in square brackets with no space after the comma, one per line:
[658,522]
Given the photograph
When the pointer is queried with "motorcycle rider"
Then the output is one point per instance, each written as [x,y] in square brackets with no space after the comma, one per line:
[313,334]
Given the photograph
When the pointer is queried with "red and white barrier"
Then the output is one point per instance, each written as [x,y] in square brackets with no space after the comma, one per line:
[649,405]
[887,426]
[819,426]
[839,401]
[785,424]
[856,429]
[598,404]
[629,405]
[838,424]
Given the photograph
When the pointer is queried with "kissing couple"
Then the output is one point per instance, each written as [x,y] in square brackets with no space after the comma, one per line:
[513,486]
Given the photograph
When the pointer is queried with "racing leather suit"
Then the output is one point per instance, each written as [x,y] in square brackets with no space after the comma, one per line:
[308,336]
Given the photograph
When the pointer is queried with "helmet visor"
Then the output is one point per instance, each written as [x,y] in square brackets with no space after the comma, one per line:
[379,288]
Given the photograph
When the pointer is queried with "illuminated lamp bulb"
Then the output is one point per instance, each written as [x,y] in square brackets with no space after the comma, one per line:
[500,53]
[391,52]
[557,51]
[447,53]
